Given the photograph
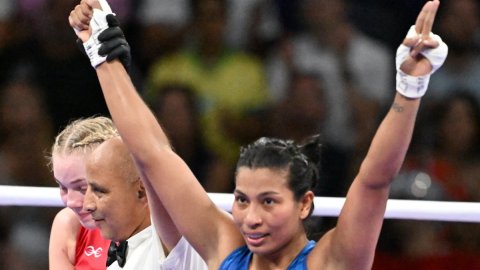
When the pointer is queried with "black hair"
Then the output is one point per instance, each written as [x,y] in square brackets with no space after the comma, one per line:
[301,161]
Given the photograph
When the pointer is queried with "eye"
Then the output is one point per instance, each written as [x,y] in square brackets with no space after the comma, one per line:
[83,189]
[240,199]
[62,189]
[268,201]
[98,190]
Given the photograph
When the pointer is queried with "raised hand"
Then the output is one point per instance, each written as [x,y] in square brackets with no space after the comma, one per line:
[420,54]
[416,64]
[79,20]
[99,33]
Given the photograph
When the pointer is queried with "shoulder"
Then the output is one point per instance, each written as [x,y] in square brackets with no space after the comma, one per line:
[66,223]
[238,258]
[63,240]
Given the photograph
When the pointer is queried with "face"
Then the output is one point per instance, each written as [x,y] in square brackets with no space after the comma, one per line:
[458,127]
[115,199]
[266,213]
[69,172]
[176,115]
[308,100]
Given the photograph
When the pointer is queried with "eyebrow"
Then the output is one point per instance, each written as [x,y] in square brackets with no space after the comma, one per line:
[263,194]
[71,183]
[95,185]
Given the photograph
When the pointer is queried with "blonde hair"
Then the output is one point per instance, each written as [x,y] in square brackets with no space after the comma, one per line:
[83,135]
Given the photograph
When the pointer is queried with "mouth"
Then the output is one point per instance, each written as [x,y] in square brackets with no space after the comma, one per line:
[96,219]
[255,239]
[84,215]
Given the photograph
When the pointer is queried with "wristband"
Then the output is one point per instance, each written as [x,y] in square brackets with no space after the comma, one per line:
[411,86]
[98,24]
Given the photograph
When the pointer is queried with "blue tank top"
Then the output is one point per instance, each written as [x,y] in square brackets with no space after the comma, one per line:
[240,258]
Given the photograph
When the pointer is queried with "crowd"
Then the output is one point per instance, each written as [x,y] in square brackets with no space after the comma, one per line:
[219,74]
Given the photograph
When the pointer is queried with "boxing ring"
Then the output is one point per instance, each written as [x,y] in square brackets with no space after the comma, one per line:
[324,206]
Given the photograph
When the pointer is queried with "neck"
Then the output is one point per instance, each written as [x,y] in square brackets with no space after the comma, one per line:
[281,258]
[142,225]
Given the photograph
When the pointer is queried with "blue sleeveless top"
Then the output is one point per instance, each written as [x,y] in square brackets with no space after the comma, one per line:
[240,258]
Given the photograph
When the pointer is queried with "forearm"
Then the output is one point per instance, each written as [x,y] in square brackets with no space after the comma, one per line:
[390,143]
[164,226]
[120,94]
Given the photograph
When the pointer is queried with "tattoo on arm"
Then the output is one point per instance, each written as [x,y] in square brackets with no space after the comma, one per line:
[397,107]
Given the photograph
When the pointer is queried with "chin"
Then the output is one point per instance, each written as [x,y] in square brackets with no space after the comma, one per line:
[88,224]
[107,235]
[259,250]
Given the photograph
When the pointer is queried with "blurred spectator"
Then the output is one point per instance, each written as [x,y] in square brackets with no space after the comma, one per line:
[459,27]
[298,116]
[452,132]
[252,25]
[230,85]
[443,166]
[356,68]
[64,75]
[13,48]
[176,107]
[161,26]
[27,134]
[455,160]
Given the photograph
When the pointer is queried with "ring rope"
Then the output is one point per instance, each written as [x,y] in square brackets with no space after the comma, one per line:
[324,206]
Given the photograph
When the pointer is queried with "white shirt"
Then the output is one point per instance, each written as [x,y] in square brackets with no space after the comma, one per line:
[145,251]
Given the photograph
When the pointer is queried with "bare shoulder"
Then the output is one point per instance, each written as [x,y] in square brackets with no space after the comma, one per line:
[63,240]
[65,223]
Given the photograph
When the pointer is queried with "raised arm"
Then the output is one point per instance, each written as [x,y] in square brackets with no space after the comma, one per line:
[63,239]
[115,46]
[351,245]
[210,230]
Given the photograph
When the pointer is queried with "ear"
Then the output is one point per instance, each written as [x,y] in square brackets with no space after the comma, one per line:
[141,192]
[306,204]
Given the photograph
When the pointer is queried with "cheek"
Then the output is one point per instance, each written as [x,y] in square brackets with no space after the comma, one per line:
[237,215]
[63,196]
[282,220]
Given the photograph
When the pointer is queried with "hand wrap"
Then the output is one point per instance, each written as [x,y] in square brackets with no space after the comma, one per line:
[98,24]
[416,86]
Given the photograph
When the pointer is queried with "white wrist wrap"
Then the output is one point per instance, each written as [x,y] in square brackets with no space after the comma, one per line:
[411,86]
[415,87]
[98,23]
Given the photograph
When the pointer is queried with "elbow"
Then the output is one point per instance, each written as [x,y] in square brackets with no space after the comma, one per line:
[380,175]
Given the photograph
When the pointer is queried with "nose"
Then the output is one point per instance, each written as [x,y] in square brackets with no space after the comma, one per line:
[252,216]
[89,202]
[74,199]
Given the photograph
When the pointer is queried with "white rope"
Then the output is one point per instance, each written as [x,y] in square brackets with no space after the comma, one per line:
[324,206]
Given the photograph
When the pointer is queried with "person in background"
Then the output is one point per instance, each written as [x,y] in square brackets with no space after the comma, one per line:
[229,84]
